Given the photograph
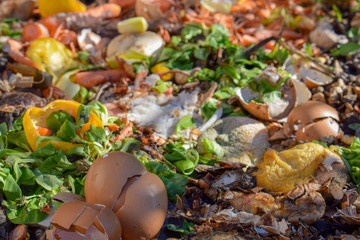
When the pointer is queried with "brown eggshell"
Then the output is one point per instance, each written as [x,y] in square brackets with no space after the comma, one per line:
[144,209]
[138,198]
[269,111]
[80,220]
[317,130]
[152,10]
[308,111]
[108,175]
[65,197]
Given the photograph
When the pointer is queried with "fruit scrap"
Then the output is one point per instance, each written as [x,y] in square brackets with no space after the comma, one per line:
[48,8]
[91,79]
[80,220]
[280,172]
[77,20]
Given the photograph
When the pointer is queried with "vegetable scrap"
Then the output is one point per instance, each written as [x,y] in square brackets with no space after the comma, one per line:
[191,119]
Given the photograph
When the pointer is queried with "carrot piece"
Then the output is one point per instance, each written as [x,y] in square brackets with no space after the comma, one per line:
[43,131]
[104,11]
[15,45]
[19,233]
[126,132]
[113,127]
[90,79]
[33,30]
[14,50]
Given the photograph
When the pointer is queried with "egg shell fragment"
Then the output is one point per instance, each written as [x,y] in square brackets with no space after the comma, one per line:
[144,209]
[138,198]
[317,130]
[309,111]
[107,176]
[269,111]
[310,117]
[80,220]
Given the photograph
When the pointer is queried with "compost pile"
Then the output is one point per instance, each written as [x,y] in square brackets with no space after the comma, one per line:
[179,119]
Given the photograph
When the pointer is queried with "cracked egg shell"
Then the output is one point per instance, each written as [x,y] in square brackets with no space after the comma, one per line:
[317,130]
[137,197]
[80,220]
[269,111]
[309,112]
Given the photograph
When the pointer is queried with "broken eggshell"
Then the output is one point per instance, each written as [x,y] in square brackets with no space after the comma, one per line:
[153,9]
[139,199]
[268,111]
[306,71]
[312,120]
[81,220]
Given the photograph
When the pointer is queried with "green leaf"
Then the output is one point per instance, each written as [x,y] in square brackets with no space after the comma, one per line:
[213,147]
[29,213]
[201,53]
[44,152]
[101,112]
[83,95]
[272,97]
[56,119]
[97,133]
[279,54]
[127,143]
[161,86]
[184,123]
[18,138]
[56,164]
[186,228]
[337,12]
[11,189]
[175,183]
[175,40]
[345,49]
[209,108]
[27,177]
[205,74]
[166,54]
[80,151]
[354,126]
[190,31]
[83,115]
[41,139]
[3,131]
[222,94]
[184,159]
[66,131]
[3,128]
[47,181]
[83,56]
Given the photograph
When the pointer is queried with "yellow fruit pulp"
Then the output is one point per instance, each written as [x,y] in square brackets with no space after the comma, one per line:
[282,171]
[49,7]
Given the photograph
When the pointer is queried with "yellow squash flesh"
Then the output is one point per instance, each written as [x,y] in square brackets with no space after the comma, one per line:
[281,171]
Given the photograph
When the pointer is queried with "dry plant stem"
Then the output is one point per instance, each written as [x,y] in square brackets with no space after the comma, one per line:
[101,90]
[293,50]
[161,158]
[209,94]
